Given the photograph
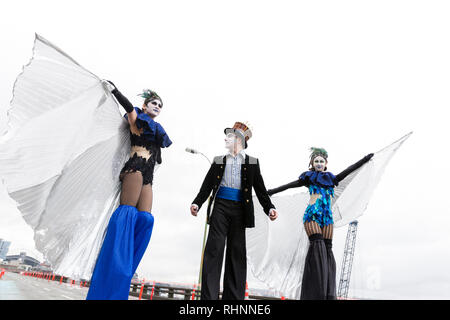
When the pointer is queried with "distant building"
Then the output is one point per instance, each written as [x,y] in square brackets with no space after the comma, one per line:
[43,267]
[21,261]
[4,247]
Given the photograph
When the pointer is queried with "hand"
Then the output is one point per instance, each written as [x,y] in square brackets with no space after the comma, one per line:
[369,156]
[194,209]
[110,85]
[273,214]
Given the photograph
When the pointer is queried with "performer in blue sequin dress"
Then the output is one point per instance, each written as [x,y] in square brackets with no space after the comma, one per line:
[319,277]
[130,227]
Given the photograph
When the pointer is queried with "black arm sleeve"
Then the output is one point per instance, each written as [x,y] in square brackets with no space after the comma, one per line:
[205,189]
[293,184]
[124,102]
[261,192]
[341,176]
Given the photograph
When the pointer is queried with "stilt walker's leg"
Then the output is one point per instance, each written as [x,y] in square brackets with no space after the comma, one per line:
[331,265]
[144,224]
[315,275]
[236,258]
[114,267]
[213,255]
[142,235]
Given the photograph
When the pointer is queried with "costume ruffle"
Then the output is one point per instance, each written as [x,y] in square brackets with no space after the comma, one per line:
[137,163]
[319,178]
[153,131]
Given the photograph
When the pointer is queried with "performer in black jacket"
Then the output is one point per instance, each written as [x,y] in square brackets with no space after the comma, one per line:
[231,179]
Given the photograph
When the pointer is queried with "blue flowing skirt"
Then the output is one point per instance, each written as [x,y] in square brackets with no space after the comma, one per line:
[126,240]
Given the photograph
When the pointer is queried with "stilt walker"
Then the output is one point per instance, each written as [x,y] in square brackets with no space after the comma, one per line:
[302,255]
[81,173]
[231,179]
[319,277]
[130,227]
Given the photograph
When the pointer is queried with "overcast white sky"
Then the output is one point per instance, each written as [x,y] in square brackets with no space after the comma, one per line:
[349,76]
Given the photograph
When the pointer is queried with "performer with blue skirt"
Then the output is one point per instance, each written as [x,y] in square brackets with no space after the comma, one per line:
[231,179]
[130,227]
[319,276]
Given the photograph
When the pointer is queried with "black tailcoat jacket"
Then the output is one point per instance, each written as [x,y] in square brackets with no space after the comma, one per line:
[250,178]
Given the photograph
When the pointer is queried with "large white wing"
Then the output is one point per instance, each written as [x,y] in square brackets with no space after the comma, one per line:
[61,157]
[276,250]
[352,195]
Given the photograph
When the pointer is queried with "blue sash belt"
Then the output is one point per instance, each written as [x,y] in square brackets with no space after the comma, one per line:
[229,194]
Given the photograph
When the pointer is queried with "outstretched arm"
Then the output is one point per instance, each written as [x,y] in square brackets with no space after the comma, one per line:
[125,103]
[293,184]
[341,176]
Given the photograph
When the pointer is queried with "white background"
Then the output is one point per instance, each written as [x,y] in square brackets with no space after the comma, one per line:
[349,76]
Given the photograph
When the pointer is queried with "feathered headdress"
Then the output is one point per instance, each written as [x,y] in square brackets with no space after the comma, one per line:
[150,95]
[318,152]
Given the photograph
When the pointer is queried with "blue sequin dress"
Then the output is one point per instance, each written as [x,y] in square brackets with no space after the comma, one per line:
[321,183]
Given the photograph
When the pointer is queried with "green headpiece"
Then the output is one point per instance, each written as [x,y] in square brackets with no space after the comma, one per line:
[318,152]
[150,95]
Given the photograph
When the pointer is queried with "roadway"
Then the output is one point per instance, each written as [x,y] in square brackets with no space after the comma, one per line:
[15,286]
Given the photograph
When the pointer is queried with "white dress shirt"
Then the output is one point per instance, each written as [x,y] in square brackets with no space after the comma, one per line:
[232,174]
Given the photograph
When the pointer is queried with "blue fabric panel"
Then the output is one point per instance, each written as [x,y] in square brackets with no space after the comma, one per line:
[126,240]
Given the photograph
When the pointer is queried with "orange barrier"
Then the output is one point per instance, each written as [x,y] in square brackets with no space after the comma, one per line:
[246,290]
[142,289]
[193,292]
[153,290]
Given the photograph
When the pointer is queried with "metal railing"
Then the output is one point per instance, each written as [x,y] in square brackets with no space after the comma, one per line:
[145,291]
[165,292]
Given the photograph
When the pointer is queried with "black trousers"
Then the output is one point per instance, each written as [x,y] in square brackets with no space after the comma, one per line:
[226,225]
[319,276]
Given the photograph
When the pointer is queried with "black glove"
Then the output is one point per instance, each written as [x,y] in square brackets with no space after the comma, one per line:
[112,83]
[368,157]
[125,103]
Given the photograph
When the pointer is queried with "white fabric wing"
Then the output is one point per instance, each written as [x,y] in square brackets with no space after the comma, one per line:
[61,157]
[276,250]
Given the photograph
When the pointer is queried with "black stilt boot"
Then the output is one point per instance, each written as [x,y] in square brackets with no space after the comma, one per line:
[315,275]
[331,265]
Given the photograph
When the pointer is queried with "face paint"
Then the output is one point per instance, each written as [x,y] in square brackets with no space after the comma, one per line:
[319,163]
[153,108]
[230,141]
